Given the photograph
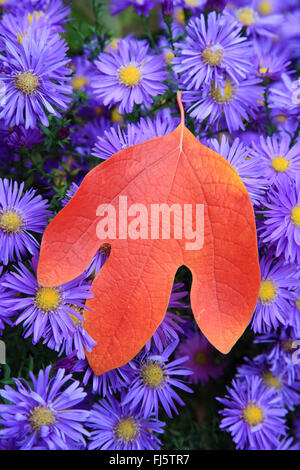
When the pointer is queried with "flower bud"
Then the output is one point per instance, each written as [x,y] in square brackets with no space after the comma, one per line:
[218,5]
[167,7]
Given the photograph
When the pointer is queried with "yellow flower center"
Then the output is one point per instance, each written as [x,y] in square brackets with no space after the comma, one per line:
[267,292]
[253,414]
[265,8]
[116,116]
[35,14]
[19,37]
[298,303]
[27,83]
[78,82]
[295,216]
[200,358]
[263,70]
[246,16]
[10,221]
[114,44]
[47,298]
[191,3]
[180,17]
[281,118]
[287,345]
[2,2]
[280,164]
[126,429]
[152,374]
[41,416]
[169,56]
[76,320]
[212,58]
[129,76]
[225,96]
[98,110]
[271,380]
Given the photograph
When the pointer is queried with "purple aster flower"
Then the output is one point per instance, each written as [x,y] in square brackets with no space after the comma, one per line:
[24,6]
[43,308]
[21,138]
[217,5]
[284,96]
[5,4]
[254,22]
[285,389]
[250,170]
[55,11]
[253,414]
[283,121]
[83,74]
[228,106]
[92,109]
[21,23]
[213,48]
[155,380]
[116,139]
[194,5]
[78,340]
[113,43]
[270,59]
[167,7]
[279,355]
[200,360]
[278,158]
[276,294]
[290,33]
[116,117]
[168,331]
[71,364]
[36,79]
[15,26]
[177,24]
[131,75]
[168,53]
[116,427]
[110,382]
[20,215]
[269,7]
[98,261]
[84,138]
[45,414]
[249,135]
[163,123]
[142,7]
[281,226]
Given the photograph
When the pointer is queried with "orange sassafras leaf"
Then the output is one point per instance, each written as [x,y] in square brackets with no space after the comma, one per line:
[132,290]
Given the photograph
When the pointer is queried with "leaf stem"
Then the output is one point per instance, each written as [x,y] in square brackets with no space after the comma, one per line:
[180,105]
